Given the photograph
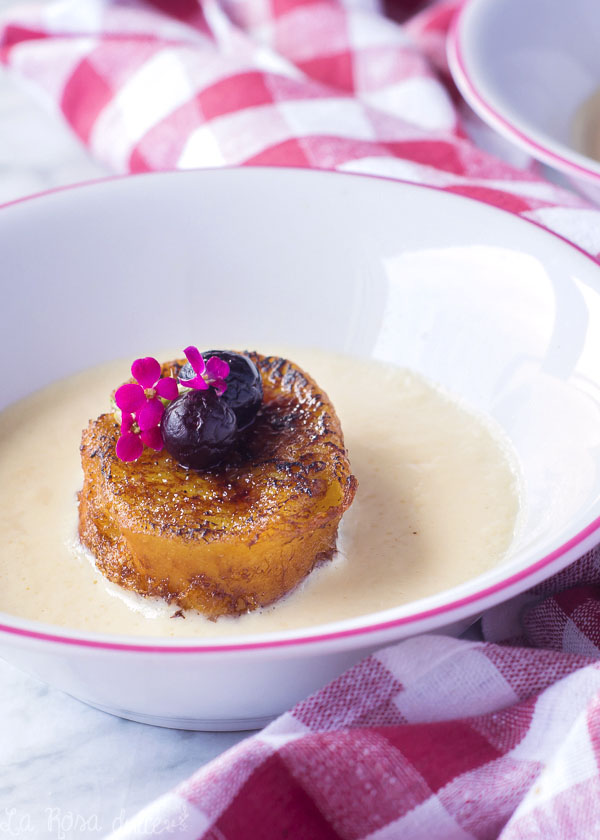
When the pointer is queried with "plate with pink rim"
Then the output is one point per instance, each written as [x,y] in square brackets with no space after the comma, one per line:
[495,309]
[531,70]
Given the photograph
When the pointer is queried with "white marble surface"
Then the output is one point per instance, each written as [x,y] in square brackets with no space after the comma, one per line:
[66,770]
[69,771]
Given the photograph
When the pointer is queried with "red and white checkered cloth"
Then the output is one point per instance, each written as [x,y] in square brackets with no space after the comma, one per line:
[329,84]
[433,737]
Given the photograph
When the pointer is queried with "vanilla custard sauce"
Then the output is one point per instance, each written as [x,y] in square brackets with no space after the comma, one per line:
[437,504]
[586,127]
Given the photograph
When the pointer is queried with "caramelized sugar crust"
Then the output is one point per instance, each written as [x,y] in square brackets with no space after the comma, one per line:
[233,538]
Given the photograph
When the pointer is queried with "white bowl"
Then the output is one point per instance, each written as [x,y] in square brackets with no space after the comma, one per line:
[494,308]
[526,67]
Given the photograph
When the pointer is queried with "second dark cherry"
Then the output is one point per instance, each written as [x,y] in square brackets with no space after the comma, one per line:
[244,392]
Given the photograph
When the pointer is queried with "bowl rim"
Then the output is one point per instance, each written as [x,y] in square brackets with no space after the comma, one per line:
[36,630]
[538,144]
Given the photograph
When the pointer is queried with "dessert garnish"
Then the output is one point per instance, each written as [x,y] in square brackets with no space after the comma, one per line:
[195,416]
[198,429]
[141,408]
[201,375]
[244,390]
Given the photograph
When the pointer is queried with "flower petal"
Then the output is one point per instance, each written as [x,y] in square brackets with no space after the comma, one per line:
[220,386]
[198,382]
[127,421]
[194,357]
[167,388]
[130,397]
[146,371]
[150,414]
[217,368]
[153,438]
[129,447]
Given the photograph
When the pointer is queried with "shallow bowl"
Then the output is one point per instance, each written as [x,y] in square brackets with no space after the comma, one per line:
[527,68]
[495,309]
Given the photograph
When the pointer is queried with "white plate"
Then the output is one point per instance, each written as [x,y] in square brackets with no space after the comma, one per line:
[526,67]
[494,308]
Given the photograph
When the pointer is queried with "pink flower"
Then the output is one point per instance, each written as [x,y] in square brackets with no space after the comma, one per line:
[142,409]
[132,440]
[213,372]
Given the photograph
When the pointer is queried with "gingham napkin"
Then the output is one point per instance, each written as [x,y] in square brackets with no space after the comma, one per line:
[433,737]
[329,84]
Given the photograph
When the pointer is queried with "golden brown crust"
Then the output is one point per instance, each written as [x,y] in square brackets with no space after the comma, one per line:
[233,538]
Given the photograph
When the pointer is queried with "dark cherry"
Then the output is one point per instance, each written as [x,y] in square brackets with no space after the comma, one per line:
[198,429]
[244,392]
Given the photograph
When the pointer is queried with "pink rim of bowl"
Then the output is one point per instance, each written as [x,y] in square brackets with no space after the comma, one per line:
[468,87]
[472,599]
